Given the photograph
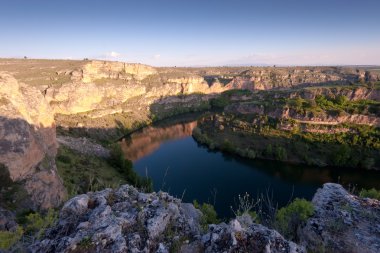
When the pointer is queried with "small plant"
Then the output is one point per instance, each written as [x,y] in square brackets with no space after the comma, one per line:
[85,244]
[36,224]
[245,205]
[290,218]
[125,167]
[371,193]
[9,238]
[209,215]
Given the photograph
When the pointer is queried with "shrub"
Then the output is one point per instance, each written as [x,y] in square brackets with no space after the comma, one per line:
[371,193]
[245,205]
[227,146]
[209,215]
[251,153]
[9,238]
[341,100]
[342,155]
[125,167]
[281,153]
[290,218]
[36,224]
[268,150]
[219,102]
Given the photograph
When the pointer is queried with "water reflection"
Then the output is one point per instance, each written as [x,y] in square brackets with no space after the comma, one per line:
[146,141]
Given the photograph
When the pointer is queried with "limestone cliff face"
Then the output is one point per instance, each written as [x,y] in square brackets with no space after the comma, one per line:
[72,98]
[280,78]
[27,141]
[109,86]
[114,70]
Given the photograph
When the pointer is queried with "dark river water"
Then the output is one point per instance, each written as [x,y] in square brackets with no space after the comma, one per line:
[168,154]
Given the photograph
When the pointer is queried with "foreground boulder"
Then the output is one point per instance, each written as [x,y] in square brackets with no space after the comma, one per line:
[342,222]
[126,220]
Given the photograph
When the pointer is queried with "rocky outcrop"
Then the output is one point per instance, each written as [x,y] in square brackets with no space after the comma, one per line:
[342,222]
[27,142]
[113,87]
[7,220]
[84,145]
[126,220]
[112,70]
[72,98]
[280,78]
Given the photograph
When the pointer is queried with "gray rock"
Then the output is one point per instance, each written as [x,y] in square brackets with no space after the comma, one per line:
[342,222]
[236,238]
[75,206]
[7,220]
[150,222]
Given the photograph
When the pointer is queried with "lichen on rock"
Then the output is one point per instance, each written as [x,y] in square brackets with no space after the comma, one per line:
[126,220]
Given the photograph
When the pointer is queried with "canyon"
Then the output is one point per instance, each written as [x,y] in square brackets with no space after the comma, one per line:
[47,104]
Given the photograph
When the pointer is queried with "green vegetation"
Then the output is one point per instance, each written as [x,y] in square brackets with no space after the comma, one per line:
[209,215]
[245,206]
[9,238]
[161,111]
[82,173]
[12,194]
[37,223]
[125,167]
[290,218]
[85,244]
[31,224]
[371,193]
[225,98]
[261,136]
[334,106]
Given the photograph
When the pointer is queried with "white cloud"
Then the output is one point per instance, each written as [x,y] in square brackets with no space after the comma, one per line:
[156,56]
[113,54]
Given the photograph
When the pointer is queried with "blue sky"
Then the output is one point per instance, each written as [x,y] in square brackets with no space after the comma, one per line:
[194,32]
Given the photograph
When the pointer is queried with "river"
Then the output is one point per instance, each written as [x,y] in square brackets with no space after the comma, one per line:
[168,154]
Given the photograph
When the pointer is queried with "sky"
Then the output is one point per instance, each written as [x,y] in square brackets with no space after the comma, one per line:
[194,32]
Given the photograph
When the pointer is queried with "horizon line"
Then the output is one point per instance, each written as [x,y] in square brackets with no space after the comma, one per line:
[197,66]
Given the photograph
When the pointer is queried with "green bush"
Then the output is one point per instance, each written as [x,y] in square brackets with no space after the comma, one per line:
[9,238]
[36,224]
[281,153]
[125,167]
[82,173]
[290,218]
[209,215]
[219,102]
[371,193]
[227,146]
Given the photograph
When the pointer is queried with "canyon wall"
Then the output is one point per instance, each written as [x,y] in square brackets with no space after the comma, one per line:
[28,142]
[100,85]
[285,78]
